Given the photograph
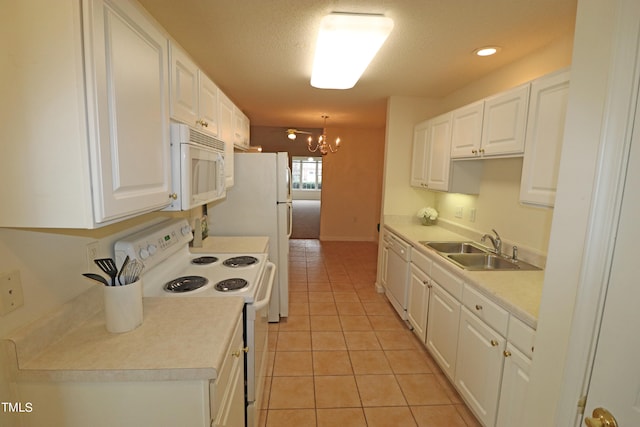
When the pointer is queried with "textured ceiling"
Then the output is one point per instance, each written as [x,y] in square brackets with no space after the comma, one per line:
[260,52]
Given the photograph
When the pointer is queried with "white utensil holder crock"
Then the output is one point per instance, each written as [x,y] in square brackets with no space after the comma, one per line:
[123,307]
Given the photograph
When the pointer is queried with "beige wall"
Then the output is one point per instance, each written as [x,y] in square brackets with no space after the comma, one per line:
[399,198]
[351,186]
[497,206]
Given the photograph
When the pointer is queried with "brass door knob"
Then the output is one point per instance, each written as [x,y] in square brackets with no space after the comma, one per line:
[601,418]
[237,353]
[494,343]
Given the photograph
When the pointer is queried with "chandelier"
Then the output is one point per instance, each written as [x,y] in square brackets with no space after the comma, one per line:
[322,144]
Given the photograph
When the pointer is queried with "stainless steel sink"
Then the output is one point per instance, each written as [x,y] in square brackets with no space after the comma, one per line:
[488,261]
[455,247]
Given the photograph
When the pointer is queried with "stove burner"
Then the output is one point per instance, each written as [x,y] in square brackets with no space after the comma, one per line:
[204,260]
[186,284]
[240,261]
[231,285]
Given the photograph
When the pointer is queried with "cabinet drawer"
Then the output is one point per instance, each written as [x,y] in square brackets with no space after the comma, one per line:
[488,311]
[521,336]
[421,261]
[450,282]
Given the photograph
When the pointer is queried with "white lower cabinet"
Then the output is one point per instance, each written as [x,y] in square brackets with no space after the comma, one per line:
[515,380]
[479,366]
[227,392]
[188,403]
[419,286]
[442,328]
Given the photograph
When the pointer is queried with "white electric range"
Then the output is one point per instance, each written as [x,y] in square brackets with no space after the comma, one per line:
[172,271]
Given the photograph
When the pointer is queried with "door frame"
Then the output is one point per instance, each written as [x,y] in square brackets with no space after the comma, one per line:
[602,98]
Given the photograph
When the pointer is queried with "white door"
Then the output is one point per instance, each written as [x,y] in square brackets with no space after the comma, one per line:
[615,380]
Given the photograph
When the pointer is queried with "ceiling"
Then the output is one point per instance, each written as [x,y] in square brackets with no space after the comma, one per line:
[260,53]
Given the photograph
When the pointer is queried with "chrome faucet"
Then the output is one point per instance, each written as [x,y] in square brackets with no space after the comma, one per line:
[495,241]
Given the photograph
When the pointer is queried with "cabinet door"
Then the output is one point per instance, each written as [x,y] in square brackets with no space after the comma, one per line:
[419,155]
[466,130]
[442,329]
[418,305]
[184,86]
[225,133]
[207,104]
[127,57]
[240,129]
[439,149]
[515,381]
[479,366]
[504,122]
[543,141]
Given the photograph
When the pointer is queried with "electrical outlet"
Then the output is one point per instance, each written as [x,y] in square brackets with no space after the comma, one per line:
[11,296]
[459,212]
[472,215]
[93,248]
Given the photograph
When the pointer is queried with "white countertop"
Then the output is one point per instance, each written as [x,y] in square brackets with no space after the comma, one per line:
[519,292]
[180,338]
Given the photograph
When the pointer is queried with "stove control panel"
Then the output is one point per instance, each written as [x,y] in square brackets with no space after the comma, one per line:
[153,245]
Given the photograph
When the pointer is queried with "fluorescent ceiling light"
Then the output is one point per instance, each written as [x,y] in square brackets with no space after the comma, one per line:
[346,45]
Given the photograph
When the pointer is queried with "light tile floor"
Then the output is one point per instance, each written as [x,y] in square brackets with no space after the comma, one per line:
[343,357]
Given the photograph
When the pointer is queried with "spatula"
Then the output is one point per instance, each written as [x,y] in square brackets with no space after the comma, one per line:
[96,277]
[108,265]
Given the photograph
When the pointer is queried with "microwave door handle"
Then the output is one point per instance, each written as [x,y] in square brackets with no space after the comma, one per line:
[221,178]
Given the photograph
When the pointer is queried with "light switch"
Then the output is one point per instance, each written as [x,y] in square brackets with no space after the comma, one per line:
[459,212]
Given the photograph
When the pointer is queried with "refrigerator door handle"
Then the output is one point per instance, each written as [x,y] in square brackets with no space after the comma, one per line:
[290,220]
[290,195]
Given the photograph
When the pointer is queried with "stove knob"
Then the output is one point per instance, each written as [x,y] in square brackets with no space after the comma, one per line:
[152,249]
[185,230]
[144,253]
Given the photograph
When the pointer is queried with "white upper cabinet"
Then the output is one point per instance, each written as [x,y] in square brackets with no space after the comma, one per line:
[504,122]
[194,97]
[431,166]
[466,134]
[95,75]
[241,129]
[545,131]
[493,127]
[419,155]
[439,153]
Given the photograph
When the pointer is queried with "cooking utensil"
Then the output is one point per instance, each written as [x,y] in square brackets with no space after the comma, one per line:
[132,271]
[97,278]
[108,265]
[124,264]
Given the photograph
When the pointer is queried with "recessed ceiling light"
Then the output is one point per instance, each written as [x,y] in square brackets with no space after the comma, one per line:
[487,51]
[346,45]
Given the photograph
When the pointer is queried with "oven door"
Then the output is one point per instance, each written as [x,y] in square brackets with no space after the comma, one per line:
[202,177]
[257,336]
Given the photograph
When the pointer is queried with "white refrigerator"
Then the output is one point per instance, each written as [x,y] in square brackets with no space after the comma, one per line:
[259,204]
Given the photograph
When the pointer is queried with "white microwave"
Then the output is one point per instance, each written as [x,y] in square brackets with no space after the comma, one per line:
[197,168]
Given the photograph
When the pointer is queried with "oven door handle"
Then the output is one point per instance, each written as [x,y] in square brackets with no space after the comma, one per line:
[259,305]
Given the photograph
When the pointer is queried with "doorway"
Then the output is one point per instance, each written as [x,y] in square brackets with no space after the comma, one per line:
[306,196]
